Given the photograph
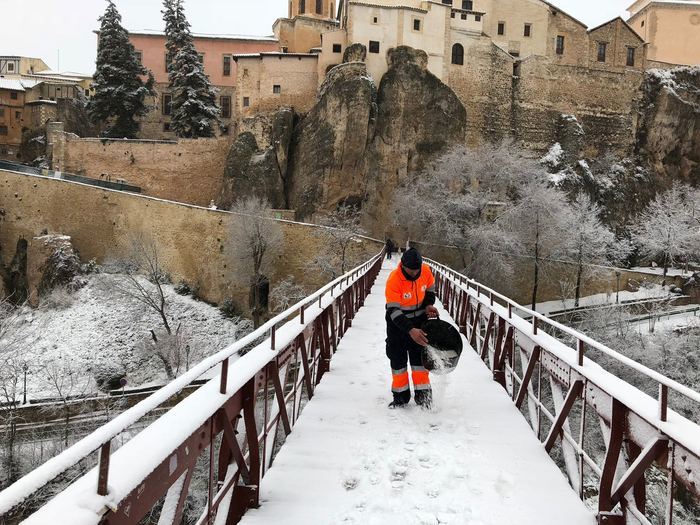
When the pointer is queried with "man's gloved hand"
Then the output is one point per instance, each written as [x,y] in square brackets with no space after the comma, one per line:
[419,336]
[432,312]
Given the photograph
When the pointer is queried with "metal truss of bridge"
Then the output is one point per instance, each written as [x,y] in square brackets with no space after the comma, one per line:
[297,429]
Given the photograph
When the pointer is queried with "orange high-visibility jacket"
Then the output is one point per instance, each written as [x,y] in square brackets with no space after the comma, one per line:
[406,299]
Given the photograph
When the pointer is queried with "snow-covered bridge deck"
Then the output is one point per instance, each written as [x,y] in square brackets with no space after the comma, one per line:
[473,459]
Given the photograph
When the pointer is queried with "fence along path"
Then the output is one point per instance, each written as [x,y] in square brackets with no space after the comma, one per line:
[471,460]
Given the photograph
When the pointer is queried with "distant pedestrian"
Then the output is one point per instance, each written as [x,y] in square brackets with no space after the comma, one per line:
[390,248]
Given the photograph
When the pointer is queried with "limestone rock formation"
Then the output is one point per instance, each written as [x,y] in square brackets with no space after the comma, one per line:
[355,53]
[571,138]
[357,144]
[669,128]
[51,262]
[329,146]
[418,117]
[251,170]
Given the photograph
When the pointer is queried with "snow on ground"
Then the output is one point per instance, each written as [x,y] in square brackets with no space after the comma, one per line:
[471,460]
[100,326]
[645,292]
[672,272]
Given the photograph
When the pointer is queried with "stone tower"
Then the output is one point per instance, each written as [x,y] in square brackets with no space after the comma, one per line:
[321,9]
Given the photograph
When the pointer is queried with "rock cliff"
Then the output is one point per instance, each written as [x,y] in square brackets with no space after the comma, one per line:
[669,123]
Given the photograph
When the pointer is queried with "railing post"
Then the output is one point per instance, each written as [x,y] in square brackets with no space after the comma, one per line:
[581,352]
[663,402]
[103,476]
[224,376]
[535,324]
[272,337]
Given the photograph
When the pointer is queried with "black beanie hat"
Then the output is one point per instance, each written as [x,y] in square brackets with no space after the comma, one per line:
[412,259]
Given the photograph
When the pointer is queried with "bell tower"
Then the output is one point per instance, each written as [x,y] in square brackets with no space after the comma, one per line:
[321,9]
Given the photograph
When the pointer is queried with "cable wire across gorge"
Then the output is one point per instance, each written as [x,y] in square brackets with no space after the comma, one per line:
[609,433]
[232,426]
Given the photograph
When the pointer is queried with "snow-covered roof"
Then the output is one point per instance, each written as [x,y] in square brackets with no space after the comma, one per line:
[17,84]
[274,54]
[66,75]
[153,32]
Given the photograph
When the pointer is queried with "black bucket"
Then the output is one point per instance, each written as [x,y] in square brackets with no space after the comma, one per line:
[444,347]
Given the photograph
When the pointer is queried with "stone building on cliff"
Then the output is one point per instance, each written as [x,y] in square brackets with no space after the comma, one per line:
[516,65]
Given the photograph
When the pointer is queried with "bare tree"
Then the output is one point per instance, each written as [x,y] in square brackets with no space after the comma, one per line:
[667,228]
[342,230]
[144,277]
[589,242]
[285,294]
[256,239]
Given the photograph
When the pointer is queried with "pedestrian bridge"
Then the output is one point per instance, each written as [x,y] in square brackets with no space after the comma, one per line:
[528,430]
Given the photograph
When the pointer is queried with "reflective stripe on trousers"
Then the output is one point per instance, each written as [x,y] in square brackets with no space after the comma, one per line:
[399,381]
[421,378]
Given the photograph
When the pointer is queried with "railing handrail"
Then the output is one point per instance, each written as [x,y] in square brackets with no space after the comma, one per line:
[592,343]
[31,482]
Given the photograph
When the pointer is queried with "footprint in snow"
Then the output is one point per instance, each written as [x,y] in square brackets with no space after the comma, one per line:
[350,483]
[504,484]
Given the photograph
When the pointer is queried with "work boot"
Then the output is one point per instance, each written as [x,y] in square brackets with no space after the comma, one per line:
[424,399]
[401,399]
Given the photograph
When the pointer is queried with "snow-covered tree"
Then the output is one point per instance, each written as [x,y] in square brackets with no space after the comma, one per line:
[589,242]
[457,198]
[666,229]
[540,221]
[255,240]
[285,294]
[194,110]
[120,90]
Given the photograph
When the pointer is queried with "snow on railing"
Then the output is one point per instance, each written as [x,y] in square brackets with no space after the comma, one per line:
[319,319]
[652,433]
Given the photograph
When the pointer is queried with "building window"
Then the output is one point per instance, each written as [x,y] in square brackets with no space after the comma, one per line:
[2,112]
[18,115]
[642,23]
[166,104]
[166,126]
[3,130]
[528,30]
[302,7]
[458,54]
[139,56]
[560,45]
[319,7]
[630,56]
[375,20]
[246,102]
[373,46]
[225,107]
[464,16]
[227,66]
[13,95]
[277,89]
[337,48]
[501,28]
[602,51]
[468,5]
[477,18]
[416,24]
[10,67]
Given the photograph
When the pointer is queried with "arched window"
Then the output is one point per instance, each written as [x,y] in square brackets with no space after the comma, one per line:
[458,54]
[302,7]
[319,7]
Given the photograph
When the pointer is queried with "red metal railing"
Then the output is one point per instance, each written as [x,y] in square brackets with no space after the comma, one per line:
[557,386]
[233,424]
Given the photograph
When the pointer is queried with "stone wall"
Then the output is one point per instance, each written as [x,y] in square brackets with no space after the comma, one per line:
[189,170]
[191,240]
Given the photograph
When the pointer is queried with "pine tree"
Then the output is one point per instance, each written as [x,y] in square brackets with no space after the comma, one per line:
[194,109]
[120,91]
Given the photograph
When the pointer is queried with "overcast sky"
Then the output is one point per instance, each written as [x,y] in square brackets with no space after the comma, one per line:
[43,28]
